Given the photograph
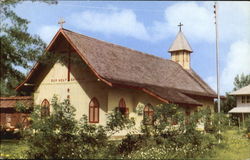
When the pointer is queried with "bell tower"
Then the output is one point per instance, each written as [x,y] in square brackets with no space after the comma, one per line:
[180,50]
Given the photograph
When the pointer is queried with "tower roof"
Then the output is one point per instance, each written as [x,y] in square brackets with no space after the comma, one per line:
[180,43]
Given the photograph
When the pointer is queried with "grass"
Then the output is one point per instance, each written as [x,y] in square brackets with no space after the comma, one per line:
[235,146]
[12,149]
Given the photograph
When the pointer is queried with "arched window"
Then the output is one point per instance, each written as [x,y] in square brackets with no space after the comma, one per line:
[45,108]
[122,107]
[94,111]
[148,113]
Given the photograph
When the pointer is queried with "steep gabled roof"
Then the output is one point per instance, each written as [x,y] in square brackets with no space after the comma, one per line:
[180,43]
[114,64]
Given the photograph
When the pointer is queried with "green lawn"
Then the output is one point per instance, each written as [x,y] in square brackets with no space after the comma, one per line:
[235,146]
[12,149]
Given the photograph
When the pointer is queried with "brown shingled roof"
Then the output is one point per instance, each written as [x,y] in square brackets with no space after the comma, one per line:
[113,63]
[10,102]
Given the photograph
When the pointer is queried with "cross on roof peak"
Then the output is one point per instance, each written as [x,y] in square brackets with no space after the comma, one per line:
[61,21]
[180,26]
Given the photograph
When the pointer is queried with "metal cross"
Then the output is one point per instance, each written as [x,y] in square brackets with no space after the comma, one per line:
[61,21]
[180,25]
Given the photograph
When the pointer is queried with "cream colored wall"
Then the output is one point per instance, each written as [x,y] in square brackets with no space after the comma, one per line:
[134,99]
[239,102]
[83,86]
[181,57]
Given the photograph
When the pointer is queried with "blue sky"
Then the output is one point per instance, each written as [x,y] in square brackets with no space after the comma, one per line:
[151,27]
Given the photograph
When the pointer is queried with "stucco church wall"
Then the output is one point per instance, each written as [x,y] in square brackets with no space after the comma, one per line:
[81,88]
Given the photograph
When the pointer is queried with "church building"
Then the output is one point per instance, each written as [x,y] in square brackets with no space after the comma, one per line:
[97,76]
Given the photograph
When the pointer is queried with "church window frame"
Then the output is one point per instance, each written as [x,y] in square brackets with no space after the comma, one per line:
[122,107]
[148,114]
[94,113]
[45,108]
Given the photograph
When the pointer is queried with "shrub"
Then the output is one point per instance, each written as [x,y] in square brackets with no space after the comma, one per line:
[247,124]
[60,135]
[131,143]
[166,141]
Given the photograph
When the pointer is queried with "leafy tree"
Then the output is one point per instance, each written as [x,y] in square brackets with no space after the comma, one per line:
[18,47]
[241,81]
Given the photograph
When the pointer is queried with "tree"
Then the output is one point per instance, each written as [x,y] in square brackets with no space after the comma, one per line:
[18,47]
[241,81]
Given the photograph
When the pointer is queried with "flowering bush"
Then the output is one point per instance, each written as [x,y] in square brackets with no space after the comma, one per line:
[163,140]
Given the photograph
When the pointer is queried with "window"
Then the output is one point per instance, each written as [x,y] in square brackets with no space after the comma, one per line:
[45,108]
[243,99]
[94,111]
[248,99]
[122,107]
[148,113]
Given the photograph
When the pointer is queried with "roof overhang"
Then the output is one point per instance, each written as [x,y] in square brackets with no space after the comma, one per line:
[245,109]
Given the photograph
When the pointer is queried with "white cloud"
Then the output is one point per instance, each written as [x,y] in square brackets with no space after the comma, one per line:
[123,22]
[198,20]
[237,62]
[47,32]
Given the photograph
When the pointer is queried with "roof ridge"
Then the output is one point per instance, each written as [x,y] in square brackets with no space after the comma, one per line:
[120,46]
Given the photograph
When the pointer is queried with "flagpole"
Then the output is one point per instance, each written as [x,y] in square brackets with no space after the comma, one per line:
[217,60]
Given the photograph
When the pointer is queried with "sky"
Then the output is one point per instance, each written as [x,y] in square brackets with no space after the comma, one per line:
[151,27]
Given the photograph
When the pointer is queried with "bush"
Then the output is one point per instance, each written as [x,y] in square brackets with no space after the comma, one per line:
[162,140]
[247,124]
[60,135]
[131,143]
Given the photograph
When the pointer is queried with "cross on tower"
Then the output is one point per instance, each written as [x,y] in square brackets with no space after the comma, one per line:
[180,26]
[61,21]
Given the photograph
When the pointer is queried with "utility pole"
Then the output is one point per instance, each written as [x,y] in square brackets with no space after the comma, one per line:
[217,59]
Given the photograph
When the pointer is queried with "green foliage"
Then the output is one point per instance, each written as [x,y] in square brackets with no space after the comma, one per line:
[131,143]
[247,124]
[60,135]
[163,140]
[18,47]
[241,81]
[21,107]
[116,121]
